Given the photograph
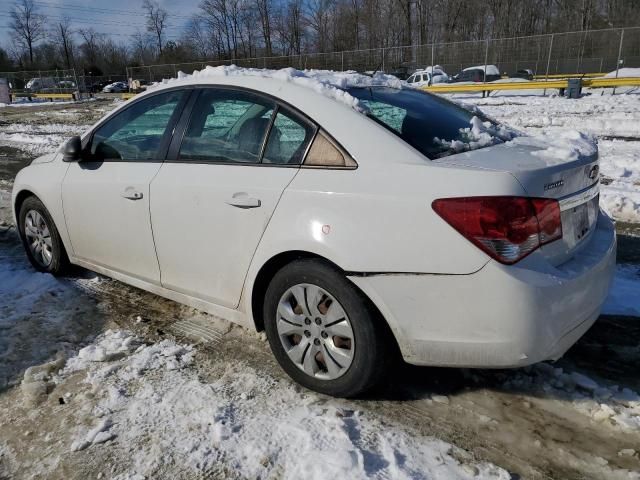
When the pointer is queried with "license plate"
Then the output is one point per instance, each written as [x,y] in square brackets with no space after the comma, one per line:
[583,219]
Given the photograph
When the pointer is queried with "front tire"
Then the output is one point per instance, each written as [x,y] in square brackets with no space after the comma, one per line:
[323,331]
[40,238]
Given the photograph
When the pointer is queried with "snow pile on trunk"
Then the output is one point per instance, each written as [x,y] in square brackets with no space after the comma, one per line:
[325,82]
[604,404]
[243,420]
[479,135]
[561,147]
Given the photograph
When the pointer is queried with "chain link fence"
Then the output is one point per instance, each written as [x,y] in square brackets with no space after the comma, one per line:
[589,51]
[47,82]
[25,83]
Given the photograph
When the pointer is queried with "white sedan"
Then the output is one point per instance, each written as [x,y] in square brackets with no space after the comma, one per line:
[339,216]
[115,87]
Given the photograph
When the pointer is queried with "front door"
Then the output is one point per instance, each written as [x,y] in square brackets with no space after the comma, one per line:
[106,195]
[211,201]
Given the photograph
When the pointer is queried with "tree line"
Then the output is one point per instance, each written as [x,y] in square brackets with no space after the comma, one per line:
[232,29]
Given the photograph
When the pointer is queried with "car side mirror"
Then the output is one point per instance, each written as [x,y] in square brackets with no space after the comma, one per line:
[73,150]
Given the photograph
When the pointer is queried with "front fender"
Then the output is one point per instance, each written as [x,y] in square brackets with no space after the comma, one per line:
[44,180]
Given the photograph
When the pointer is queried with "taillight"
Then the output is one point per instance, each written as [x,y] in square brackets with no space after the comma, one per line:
[506,228]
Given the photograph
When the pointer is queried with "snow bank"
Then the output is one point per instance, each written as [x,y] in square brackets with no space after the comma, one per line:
[24,102]
[480,134]
[624,72]
[325,82]
[38,139]
[242,420]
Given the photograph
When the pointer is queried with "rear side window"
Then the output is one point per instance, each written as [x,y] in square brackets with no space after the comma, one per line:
[427,122]
[227,126]
[288,139]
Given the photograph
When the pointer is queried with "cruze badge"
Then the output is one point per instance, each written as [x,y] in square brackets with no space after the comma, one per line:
[552,185]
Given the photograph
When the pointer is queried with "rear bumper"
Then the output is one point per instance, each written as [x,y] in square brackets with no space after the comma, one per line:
[501,316]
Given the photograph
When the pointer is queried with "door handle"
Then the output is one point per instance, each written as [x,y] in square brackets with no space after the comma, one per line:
[243,200]
[132,194]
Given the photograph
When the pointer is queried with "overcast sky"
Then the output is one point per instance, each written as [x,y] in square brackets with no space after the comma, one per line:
[119,18]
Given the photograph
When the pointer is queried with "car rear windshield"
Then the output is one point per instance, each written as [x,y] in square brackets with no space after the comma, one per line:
[427,122]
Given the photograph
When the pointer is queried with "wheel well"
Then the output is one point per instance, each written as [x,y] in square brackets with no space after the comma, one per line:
[20,198]
[274,264]
[265,275]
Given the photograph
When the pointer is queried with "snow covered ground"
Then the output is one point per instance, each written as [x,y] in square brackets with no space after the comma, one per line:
[100,380]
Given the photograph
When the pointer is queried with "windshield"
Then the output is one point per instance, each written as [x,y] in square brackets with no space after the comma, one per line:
[430,124]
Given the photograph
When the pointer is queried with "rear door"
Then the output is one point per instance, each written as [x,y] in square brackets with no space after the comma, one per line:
[106,195]
[233,155]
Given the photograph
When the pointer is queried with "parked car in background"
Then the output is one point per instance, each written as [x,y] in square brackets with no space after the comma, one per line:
[428,76]
[116,87]
[525,73]
[477,74]
[351,236]
[41,85]
[97,87]
[66,85]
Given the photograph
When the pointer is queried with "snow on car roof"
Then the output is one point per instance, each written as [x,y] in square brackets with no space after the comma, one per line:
[435,69]
[491,69]
[325,82]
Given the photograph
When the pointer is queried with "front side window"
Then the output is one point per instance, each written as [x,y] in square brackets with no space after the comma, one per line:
[227,126]
[136,133]
[427,122]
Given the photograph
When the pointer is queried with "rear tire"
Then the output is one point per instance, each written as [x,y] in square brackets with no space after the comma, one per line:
[332,341]
[41,239]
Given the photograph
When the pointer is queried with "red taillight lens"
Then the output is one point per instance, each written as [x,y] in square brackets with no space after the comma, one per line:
[507,228]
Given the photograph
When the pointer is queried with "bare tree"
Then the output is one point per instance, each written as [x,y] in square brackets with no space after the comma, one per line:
[196,38]
[217,18]
[289,27]
[141,49]
[91,45]
[319,19]
[264,9]
[156,21]
[27,25]
[63,36]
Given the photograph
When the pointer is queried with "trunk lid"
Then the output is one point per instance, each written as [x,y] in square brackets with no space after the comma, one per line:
[536,166]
